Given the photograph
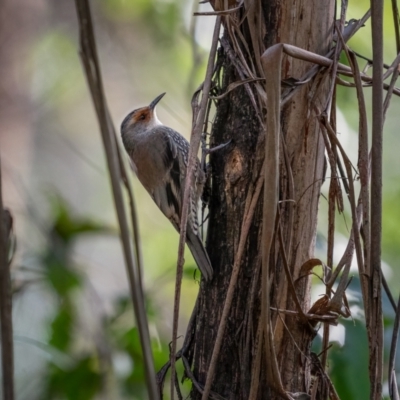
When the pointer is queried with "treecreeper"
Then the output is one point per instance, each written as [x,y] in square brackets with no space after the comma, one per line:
[159,157]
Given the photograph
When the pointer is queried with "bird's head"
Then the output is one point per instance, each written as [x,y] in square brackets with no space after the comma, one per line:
[142,119]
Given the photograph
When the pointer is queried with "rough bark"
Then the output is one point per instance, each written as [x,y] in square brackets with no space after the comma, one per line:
[307,25]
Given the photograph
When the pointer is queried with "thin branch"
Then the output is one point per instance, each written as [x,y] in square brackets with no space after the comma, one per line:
[196,384]
[363,164]
[133,213]
[374,311]
[390,91]
[339,26]
[222,12]
[317,365]
[178,389]
[185,347]
[393,390]
[335,195]
[389,293]
[369,60]
[393,67]
[7,358]
[396,23]
[312,316]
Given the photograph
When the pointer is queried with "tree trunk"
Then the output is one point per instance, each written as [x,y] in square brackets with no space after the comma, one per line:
[235,170]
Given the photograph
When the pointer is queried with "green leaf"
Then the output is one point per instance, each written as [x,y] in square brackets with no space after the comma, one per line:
[191,272]
[61,278]
[67,227]
[130,342]
[61,327]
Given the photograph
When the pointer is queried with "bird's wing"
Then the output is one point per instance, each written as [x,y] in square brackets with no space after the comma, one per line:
[182,155]
[168,193]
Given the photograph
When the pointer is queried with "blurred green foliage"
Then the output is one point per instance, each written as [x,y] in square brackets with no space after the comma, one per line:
[349,363]
[80,382]
[164,17]
[52,63]
[79,370]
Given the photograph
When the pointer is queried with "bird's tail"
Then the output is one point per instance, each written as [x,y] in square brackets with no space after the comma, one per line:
[199,254]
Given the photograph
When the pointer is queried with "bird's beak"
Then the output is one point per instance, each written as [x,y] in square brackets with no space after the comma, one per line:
[155,101]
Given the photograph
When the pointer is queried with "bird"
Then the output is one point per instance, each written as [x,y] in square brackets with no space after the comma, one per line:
[159,157]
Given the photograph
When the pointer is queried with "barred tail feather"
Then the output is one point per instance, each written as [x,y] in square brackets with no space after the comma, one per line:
[199,254]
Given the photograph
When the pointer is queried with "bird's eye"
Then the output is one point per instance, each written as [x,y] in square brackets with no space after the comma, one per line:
[142,117]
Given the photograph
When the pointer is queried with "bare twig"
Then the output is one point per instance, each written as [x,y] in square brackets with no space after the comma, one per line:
[189,373]
[374,310]
[309,316]
[339,27]
[363,164]
[185,347]
[222,12]
[133,214]
[335,195]
[389,293]
[369,60]
[317,365]
[396,72]
[93,75]
[354,214]
[396,23]
[393,67]
[7,358]
[390,90]
[235,85]
[393,390]
[178,389]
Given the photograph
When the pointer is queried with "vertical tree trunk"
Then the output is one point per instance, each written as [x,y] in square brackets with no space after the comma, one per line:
[235,170]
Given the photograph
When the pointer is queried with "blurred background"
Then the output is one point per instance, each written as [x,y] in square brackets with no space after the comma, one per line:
[74,331]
